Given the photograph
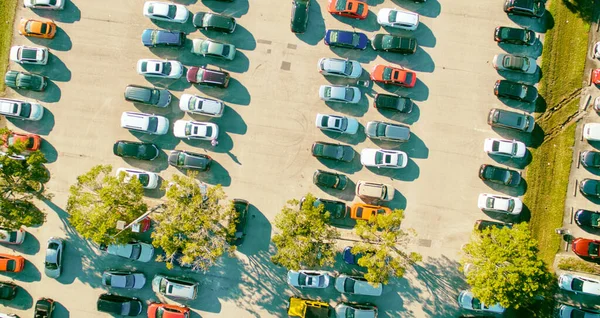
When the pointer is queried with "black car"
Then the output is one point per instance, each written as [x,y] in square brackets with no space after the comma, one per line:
[393,102]
[590,187]
[511,120]
[336,209]
[528,8]
[299,15]
[147,95]
[587,218]
[153,38]
[330,179]
[8,290]
[517,91]
[392,43]
[24,80]
[241,207]
[44,308]
[119,305]
[481,225]
[590,159]
[514,36]
[499,175]
[213,21]
[137,150]
[190,160]
[332,151]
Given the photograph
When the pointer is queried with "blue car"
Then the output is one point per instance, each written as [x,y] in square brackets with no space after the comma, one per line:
[350,258]
[346,39]
[152,38]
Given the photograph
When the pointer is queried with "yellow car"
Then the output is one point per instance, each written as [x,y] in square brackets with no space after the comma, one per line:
[36,28]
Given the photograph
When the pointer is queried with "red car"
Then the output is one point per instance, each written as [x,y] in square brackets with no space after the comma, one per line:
[596,76]
[349,8]
[158,310]
[586,247]
[394,75]
[32,141]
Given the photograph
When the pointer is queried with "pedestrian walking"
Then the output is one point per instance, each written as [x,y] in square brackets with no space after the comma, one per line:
[214,142]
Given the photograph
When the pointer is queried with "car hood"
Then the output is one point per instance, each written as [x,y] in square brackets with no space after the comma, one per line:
[591,158]
[591,131]
[179,128]
[37,111]
[383,16]
[352,126]
[163,125]
[589,186]
[14,53]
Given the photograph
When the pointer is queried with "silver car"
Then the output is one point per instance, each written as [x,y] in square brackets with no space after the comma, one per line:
[339,67]
[509,62]
[123,279]
[136,251]
[340,94]
[53,260]
[385,131]
[207,47]
[339,124]
[308,279]
[357,285]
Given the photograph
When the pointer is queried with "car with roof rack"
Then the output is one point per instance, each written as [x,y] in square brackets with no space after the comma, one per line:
[207,76]
[21,109]
[24,80]
[23,54]
[145,123]
[214,22]
[158,37]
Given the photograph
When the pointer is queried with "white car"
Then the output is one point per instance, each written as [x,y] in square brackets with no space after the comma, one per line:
[382,158]
[357,286]
[339,124]
[136,251]
[339,67]
[344,310]
[29,54]
[21,109]
[566,311]
[175,287]
[123,279]
[395,18]
[467,301]
[44,4]
[591,131]
[515,63]
[12,236]
[195,129]
[338,93]
[145,123]
[499,203]
[149,180]
[165,11]
[308,279]
[201,105]
[579,284]
[160,68]
[502,147]
[597,50]
[211,48]
[597,104]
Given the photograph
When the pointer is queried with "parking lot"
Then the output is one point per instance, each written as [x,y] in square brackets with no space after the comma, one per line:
[267,130]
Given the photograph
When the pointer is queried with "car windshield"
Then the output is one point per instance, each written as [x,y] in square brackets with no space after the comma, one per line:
[152,123]
[25,110]
[136,249]
[192,104]
[355,39]
[43,28]
[349,93]
[380,130]
[334,36]
[163,286]
[340,5]
[408,77]
[343,125]
[154,36]
[50,265]
[511,205]
[166,70]
[360,9]
[129,281]
[387,74]
[379,157]
[226,49]
[593,249]
[11,265]
[348,69]
[125,310]
[515,148]
[209,131]
[327,92]
[350,312]
[489,203]
[154,96]
[181,159]
[188,129]
[12,236]
[523,91]
[392,15]
[141,150]
[349,285]
[577,284]
[172,11]
[144,66]
[475,303]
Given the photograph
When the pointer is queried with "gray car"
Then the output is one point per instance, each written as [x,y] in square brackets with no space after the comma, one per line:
[386,131]
[136,251]
[123,279]
[53,260]
[511,120]
[147,95]
[189,160]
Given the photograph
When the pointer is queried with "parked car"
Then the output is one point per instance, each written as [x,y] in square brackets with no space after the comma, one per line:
[24,80]
[137,150]
[241,219]
[374,191]
[395,44]
[586,247]
[214,22]
[336,209]
[528,8]
[175,287]
[21,109]
[308,279]
[8,290]
[338,124]
[345,309]
[165,11]
[29,55]
[8,236]
[590,159]
[340,94]
[158,310]
[587,218]
[123,279]
[36,28]
[336,152]
[346,39]
[329,179]
[349,257]
[201,105]
[160,68]
[505,148]
[579,284]
[386,131]
[591,131]
[383,158]
[195,130]
[596,76]
[209,77]
[517,91]
[32,142]
[137,251]
[11,263]
[145,123]
[119,305]
[500,175]
[393,102]
[590,187]
[355,9]
[44,4]
[481,225]
[210,48]
[44,308]
[511,120]
[54,255]
[339,67]
[189,160]
[466,300]
[149,180]
[517,36]
[158,97]
[597,50]
[516,63]
[299,21]
[398,76]
[499,203]
[361,211]
[157,37]
[398,19]
[566,311]
[356,285]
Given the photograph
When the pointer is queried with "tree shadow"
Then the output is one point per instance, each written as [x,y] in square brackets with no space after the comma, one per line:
[541,25]
[363,56]
[241,38]
[409,173]
[354,110]
[415,147]
[69,14]
[315,31]
[29,274]
[534,50]
[233,10]
[61,41]
[540,104]
[585,8]
[30,246]
[22,300]
[369,24]
[420,61]
[41,127]
[431,8]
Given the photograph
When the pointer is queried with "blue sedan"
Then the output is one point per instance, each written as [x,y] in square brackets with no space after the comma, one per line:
[346,39]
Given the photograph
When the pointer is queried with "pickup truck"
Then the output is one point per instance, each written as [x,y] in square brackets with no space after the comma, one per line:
[306,308]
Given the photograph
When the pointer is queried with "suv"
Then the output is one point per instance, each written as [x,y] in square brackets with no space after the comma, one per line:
[528,8]
[145,123]
[213,21]
[299,21]
[147,95]
[374,191]
[153,38]
[21,109]
[511,120]
[119,305]
[23,80]
[385,131]
[175,287]
[189,160]
[29,55]
[393,102]
[206,76]
[137,150]
[516,36]
[392,43]
[330,179]
[306,308]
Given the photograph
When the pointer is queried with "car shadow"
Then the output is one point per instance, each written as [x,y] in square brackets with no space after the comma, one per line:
[22,300]
[541,25]
[431,8]
[235,93]
[369,24]
[258,232]
[504,217]
[41,127]
[60,42]
[420,61]
[69,14]
[399,201]
[231,122]
[518,105]
[30,246]
[29,274]
[157,165]
[56,70]
[315,31]
[540,104]
[60,310]
[346,195]
[423,33]
[512,191]
[515,163]
[415,147]
[363,56]
[186,27]
[409,173]
[402,117]
[51,94]
[522,77]
[173,53]
[241,38]
[534,50]
[179,84]
[240,63]
[533,139]
[354,139]
[344,167]
[420,92]
[217,175]
[236,10]
[354,110]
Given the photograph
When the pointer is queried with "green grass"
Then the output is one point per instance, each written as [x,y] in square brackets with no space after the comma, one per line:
[577,265]
[7,12]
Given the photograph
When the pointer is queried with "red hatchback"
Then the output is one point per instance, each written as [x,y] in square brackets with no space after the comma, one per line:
[158,310]
[32,141]
[394,76]
[596,76]
[349,8]
[586,247]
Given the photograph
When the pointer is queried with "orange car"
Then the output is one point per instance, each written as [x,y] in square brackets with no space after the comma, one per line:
[11,263]
[32,141]
[362,211]
[36,28]
[394,75]
[349,8]
[167,311]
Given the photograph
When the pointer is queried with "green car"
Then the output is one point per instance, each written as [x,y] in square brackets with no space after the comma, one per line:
[396,44]
[299,21]
[25,80]
[214,22]
[331,151]
[330,179]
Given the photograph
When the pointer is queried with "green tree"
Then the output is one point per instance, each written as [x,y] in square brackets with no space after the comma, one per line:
[305,238]
[380,251]
[193,225]
[99,199]
[505,267]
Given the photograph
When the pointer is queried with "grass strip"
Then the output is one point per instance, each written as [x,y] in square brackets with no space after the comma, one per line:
[7,14]
[577,265]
